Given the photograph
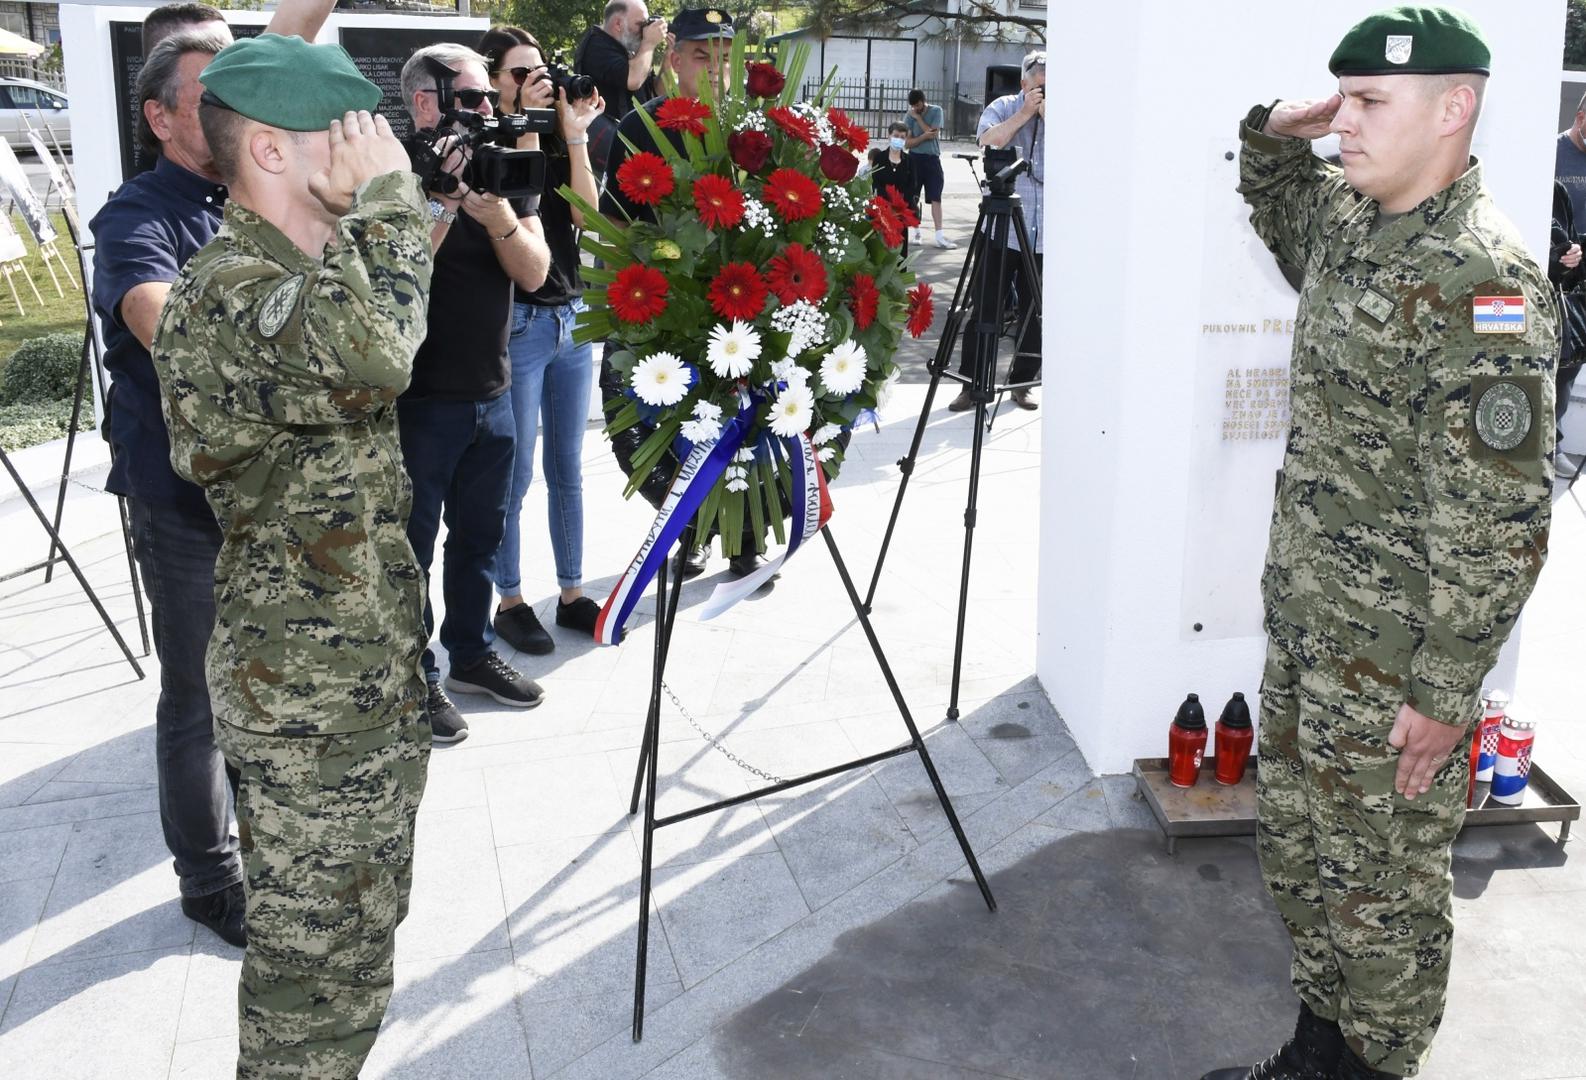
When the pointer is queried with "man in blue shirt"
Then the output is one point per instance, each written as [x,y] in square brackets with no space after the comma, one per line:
[925,155]
[143,235]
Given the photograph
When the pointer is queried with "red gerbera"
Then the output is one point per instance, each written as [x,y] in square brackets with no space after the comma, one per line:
[849,132]
[900,206]
[885,221]
[720,205]
[645,178]
[738,292]
[797,274]
[795,195]
[793,125]
[863,298]
[637,294]
[683,114]
[922,310]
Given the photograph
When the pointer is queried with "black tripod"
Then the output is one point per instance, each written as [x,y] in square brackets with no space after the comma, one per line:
[666,597]
[981,299]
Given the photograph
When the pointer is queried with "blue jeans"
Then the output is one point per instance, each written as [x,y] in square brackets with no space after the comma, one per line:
[176,552]
[550,383]
[459,457]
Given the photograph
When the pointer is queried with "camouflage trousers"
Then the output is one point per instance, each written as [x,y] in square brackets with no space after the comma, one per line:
[326,825]
[1360,874]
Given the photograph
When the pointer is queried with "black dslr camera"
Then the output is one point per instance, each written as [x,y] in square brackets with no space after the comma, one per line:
[493,164]
[563,77]
[1002,168]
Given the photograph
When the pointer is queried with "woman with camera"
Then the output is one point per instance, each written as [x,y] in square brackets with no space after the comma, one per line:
[551,375]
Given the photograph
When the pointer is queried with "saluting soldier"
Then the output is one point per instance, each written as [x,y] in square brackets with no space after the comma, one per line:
[1410,526]
[280,352]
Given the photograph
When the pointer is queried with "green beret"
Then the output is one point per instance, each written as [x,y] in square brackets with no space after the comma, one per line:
[1410,40]
[287,83]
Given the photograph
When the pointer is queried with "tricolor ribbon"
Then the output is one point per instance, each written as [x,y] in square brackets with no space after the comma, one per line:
[815,510]
[701,470]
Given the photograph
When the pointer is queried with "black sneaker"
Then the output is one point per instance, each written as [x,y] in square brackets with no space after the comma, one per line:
[222,912]
[580,615]
[446,723]
[519,627]
[747,562]
[496,678]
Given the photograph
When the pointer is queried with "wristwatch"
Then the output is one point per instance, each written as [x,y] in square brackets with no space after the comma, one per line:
[440,214]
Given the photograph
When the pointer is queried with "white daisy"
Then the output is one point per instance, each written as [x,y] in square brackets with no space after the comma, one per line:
[843,370]
[660,379]
[738,485]
[706,410]
[826,453]
[826,433]
[792,412]
[698,431]
[733,350]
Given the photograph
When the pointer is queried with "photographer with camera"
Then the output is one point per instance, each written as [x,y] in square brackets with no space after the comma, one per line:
[619,55]
[1018,121]
[458,433]
[551,375]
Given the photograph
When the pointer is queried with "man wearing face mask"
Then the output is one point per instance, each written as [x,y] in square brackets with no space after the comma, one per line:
[280,351]
[1018,120]
[458,433]
[619,55]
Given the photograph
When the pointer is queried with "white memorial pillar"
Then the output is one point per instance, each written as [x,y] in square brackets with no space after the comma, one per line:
[1167,337]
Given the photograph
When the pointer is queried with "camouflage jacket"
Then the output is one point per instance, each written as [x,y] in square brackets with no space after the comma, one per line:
[279,374]
[1412,513]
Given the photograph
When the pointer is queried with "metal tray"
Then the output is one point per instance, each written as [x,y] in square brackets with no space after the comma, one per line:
[1213,809]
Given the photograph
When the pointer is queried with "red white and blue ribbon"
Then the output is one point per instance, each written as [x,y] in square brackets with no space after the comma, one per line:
[815,510]
[701,470]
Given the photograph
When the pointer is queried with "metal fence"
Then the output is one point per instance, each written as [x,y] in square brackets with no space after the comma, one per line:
[875,103]
[17,68]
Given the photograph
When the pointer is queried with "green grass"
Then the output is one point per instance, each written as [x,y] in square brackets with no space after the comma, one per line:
[57,312]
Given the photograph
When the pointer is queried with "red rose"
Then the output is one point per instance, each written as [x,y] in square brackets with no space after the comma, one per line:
[738,292]
[797,274]
[750,150]
[765,80]
[863,299]
[794,195]
[793,125]
[637,294]
[645,178]
[838,164]
[885,221]
[849,132]
[719,203]
[922,310]
[683,114]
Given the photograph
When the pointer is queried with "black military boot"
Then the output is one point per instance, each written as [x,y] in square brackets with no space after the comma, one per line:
[1313,1054]
[1350,1067]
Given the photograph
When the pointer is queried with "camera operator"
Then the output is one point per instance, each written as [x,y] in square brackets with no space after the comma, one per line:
[551,375]
[456,419]
[1018,120]
[619,55]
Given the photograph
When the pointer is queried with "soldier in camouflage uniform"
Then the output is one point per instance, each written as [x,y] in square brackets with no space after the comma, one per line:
[1410,524]
[280,352]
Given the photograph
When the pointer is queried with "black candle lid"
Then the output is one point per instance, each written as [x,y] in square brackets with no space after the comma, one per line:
[1236,714]
[1190,714]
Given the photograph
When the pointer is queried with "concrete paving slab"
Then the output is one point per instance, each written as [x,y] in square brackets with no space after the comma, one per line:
[715,912]
[93,808]
[456,904]
[21,903]
[32,853]
[453,1017]
[692,774]
[552,800]
[209,996]
[562,1031]
[206,1059]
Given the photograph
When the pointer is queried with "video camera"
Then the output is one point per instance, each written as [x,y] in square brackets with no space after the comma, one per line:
[1002,167]
[492,162]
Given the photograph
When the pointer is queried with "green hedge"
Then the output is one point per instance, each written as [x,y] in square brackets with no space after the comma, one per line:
[43,369]
[29,424]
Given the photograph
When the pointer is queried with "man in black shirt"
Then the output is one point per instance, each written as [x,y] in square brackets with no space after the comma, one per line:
[458,435]
[619,55]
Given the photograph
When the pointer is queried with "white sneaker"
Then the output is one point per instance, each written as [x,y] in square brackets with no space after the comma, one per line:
[942,241]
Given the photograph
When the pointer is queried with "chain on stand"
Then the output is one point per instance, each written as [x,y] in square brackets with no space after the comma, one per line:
[717,744]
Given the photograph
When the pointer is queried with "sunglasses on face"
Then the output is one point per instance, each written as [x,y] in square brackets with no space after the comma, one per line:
[470,99]
[520,75]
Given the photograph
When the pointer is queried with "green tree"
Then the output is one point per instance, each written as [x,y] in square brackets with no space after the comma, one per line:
[1575,35]
[966,19]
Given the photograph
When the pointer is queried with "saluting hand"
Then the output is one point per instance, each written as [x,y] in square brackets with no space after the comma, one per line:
[1423,745]
[362,147]
[1308,119]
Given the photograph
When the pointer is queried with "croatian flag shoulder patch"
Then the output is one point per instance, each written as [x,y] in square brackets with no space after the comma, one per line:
[1498,314]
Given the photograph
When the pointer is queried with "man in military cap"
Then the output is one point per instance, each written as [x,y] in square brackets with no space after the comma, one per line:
[281,350]
[1411,524]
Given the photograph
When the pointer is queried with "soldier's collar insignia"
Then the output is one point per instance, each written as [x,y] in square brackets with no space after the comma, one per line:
[1503,413]
[278,306]
[1497,314]
[1398,48]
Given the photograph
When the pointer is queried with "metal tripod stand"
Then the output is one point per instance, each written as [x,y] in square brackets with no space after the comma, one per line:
[981,300]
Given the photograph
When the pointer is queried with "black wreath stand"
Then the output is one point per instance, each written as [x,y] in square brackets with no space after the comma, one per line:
[667,592]
[982,300]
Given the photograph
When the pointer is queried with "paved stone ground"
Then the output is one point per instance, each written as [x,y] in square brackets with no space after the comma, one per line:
[833,931]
